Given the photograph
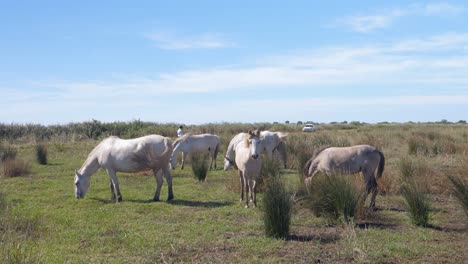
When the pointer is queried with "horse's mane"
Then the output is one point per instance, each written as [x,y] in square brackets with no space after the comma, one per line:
[250,135]
[96,150]
[180,139]
[305,170]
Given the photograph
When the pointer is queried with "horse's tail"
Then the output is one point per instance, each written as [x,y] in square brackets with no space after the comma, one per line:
[381,164]
[282,152]
[216,150]
[169,147]
[305,170]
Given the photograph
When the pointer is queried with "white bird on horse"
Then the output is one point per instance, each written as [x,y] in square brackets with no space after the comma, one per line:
[127,155]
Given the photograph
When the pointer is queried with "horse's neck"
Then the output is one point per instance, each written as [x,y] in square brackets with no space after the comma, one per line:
[231,151]
[90,166]
[178,148]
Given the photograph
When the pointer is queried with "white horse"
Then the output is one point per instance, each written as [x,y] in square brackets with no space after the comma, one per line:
[189,144]
[249,164]
[271,142]
[133,155]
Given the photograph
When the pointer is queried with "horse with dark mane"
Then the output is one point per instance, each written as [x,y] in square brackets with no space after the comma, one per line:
[348,160]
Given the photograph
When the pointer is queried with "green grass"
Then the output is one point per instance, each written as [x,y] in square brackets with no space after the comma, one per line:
[206,222]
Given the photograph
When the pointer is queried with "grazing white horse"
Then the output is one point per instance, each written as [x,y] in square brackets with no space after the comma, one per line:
[271,142]
[348,160]
[249,164]
[189,144]
[133,155]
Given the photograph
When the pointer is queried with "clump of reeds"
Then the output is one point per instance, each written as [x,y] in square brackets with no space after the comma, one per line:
[200,166]
[15,168]
[460,191]
[277,207]
[417,198]
[41,154]
[334,196]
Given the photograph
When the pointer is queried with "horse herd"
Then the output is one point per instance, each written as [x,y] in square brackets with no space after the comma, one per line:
[159,154]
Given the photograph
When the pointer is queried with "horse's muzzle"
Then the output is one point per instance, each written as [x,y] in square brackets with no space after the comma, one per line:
[255,156]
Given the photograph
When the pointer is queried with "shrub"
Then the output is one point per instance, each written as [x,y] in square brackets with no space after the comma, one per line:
[335,196]
[417,203]
[7,153]
[41,154]
[277,208]
[14,168]
[460,191]
[200,166]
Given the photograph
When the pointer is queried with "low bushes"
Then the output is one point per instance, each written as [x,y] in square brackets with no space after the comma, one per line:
[335,196]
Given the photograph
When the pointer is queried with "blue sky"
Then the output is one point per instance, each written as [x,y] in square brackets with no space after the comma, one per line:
[198,62]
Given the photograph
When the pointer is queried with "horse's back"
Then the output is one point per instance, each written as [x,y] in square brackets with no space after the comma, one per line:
[351,159]
[132,155]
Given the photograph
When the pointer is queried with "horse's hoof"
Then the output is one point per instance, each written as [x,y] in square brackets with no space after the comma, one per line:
[119,199]
[155,199]
[170,198]
[246,206]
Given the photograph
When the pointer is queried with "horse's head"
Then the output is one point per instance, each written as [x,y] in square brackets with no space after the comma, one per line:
[227,163]
[81,185]
[173,161]
[253,142]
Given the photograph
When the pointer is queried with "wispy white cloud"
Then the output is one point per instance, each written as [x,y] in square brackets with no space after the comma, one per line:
[442,9]
[177,42]
[384,19]
[439,42]
[404,64]
[339,66]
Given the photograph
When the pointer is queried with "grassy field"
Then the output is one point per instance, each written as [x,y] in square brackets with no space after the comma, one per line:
[42,222]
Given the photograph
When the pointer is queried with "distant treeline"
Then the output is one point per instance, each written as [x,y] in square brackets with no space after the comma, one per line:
[95,129]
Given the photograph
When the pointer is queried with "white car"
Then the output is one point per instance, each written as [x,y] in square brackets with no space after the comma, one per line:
[309,128]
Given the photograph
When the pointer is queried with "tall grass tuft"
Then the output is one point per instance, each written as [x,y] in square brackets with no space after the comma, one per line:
[41,154]
[270,168]
[417,199]
[335,196]
[15,168]
[460,191]
[277,208]
[200,166]
[417,203]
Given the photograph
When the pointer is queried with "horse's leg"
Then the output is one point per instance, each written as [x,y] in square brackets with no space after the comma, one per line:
[111,186]
[211,158]
[167,174]
[183,160]
[246,188]
[159,183]
[254,189]
[241,180]
[250,185]
[374,191]
[113,178]
[371,186]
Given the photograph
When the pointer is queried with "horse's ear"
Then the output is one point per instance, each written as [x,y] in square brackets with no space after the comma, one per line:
[258,133]
[250,132]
